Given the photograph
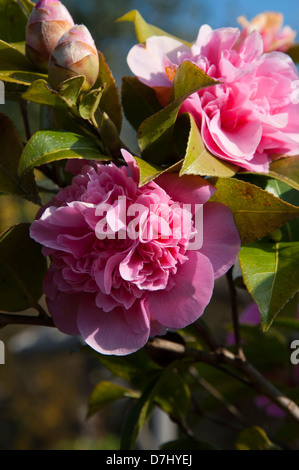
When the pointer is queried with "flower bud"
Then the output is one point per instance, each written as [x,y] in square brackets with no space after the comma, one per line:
[48,21]
[75,54]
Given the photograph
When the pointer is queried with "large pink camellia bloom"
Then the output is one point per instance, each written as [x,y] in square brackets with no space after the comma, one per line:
[250,117]
[118,291]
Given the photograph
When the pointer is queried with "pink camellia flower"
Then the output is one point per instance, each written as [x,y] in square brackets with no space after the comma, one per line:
[74,54]
[118,282]
[48,21]
[250,117]
[270,26]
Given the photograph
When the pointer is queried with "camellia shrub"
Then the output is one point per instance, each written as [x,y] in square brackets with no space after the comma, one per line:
[126,246]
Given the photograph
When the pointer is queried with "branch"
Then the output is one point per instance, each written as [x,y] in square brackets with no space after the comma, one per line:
[223,356]
[12,319]
[235,316]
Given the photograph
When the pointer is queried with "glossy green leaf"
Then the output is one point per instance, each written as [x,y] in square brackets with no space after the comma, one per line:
[90,102]
[254,438]
[106,393]
[10,153]
[13,19]
[48,146]
[256,212]
[40,92]
[156,134]
[143,29]
[137,416]
[189,77]
[149,172]
[198,160]
[270,273]
[139,101]
[110,100]
[22,268]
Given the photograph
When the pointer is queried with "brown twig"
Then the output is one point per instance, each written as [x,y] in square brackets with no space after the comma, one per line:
[235,316]
[12,319]
[224,357]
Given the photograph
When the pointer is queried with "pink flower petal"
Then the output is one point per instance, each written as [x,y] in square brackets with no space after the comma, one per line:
[186,301]
[221,240]
[118,332]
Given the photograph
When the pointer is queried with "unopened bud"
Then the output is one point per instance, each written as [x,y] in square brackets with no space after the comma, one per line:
[75,54]
[48,21]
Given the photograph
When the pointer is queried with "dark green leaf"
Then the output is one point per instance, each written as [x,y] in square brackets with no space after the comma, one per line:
[137,416]
[10,154]
[139,101]
[294,52]
[110,100]
[254,438]
[156,134]
[172,395]
[13,19]
[143,29]
[48,146]
[22,268]
[256,212]
[106,393]
[270,273]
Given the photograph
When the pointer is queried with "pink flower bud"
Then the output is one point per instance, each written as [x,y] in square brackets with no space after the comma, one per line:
[75,54]
[48,21]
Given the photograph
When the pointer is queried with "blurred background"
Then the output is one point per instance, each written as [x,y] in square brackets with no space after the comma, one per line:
[46,380]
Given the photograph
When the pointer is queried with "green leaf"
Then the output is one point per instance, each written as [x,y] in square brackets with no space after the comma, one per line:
[10,154]
[256,212]
[198,160]
[13,19]
[110,101]
[139,101]
[287,170]
[156,134]
[40,92]
[22,268]
[270,273]
[172,395]
[48,146]
[254,438]
[12,59]
[106,393]
[189,77]
[149,172]
[137,416]
[143,29]
[90,103]
[70,90]
[293,52]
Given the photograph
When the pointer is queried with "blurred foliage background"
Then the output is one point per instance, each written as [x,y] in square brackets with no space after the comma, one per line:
[46,381]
